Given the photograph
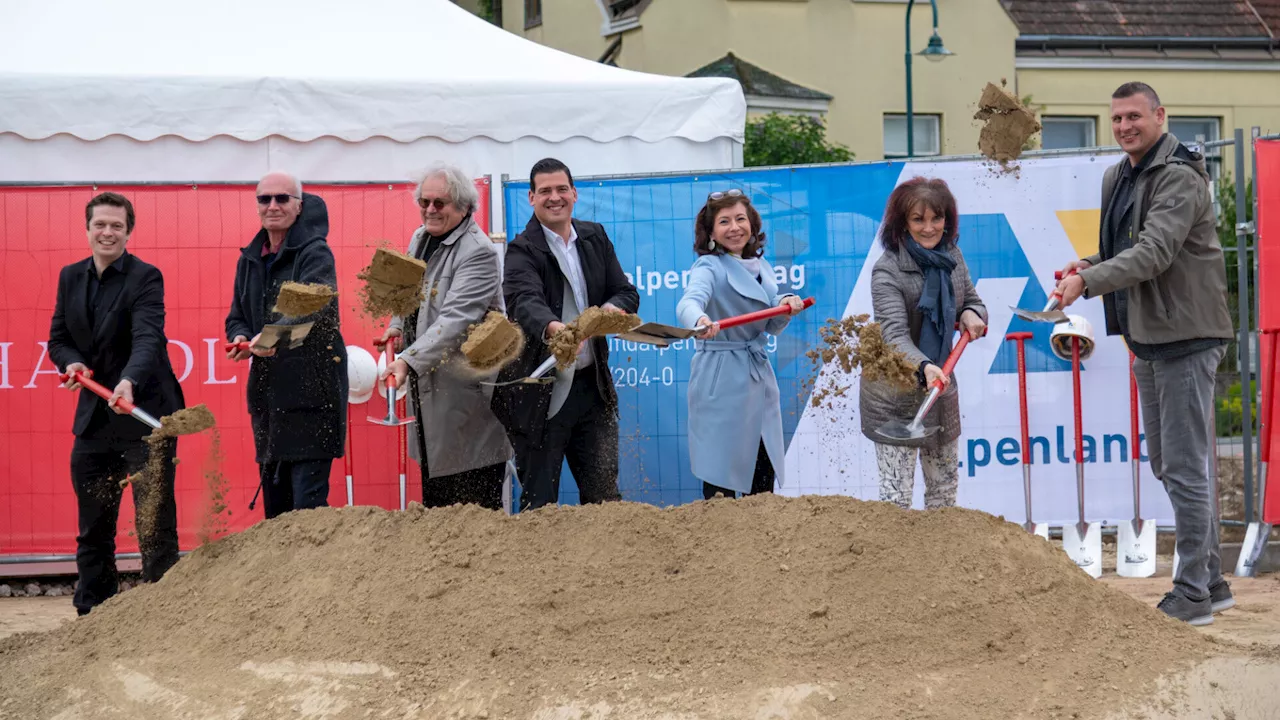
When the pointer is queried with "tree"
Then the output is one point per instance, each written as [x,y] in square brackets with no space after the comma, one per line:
[790,140]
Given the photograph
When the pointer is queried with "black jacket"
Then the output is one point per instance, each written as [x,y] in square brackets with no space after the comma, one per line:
[533,288]
[126,339]
[297,398]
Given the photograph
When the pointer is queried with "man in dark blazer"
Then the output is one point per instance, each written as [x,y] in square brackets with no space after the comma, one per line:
[554,270]
[108,323]
[297,397]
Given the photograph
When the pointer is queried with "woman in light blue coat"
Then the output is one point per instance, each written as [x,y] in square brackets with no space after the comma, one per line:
[735,416]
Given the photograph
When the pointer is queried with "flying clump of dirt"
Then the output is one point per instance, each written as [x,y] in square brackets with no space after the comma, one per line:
[300,299]
[853,343]
[1007,125]
[592,322]
[392,284]
[493,343]
[214,524]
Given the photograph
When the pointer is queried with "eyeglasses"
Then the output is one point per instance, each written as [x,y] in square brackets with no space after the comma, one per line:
[437,203]
[718,195]
[280,199]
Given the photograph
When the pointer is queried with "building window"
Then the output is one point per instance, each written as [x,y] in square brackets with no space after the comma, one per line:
[1060,132]
[928,135]
[532,13]
[1187,129]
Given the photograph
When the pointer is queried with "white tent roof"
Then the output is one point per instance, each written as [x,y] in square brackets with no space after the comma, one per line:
[306,69]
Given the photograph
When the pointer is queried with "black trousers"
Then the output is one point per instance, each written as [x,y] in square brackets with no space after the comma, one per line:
[761,480]
[584,432]
[97,468]
[481,486]
[296,485]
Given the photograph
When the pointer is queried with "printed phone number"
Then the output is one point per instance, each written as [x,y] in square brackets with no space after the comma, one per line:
[633,377]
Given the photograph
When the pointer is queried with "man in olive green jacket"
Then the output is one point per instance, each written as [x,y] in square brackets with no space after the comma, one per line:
[1160,272]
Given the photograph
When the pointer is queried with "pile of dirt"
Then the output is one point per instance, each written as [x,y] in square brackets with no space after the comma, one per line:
[493,343]
[300,299]
[761,607]
[392,284]
[854,343]
[592,322]
[1007,124]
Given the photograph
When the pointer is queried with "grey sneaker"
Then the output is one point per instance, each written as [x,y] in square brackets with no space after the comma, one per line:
[1220,596]
[1192,612]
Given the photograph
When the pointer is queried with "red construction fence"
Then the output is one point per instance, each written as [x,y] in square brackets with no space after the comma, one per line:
[194,235]
[1267,187]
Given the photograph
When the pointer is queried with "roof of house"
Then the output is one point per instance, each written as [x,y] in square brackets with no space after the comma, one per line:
[756,80]
[1146,18]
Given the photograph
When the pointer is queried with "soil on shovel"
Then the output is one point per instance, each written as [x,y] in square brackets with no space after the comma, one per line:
[592,322]
[301,299]
[493,343]
[761,607]
[854,343]
[1007,125]
[392,284]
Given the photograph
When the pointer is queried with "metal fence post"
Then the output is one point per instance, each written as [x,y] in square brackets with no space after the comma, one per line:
[1255,133]
[1242,297]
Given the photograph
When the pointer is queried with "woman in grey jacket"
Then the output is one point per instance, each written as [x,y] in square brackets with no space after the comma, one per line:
[920,289]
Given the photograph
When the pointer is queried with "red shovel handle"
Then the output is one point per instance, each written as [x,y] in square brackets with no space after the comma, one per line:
[760,315]
[1133,408]
[1020,338]
[97,389]
[1268,395]
[242,345]
[1057,277]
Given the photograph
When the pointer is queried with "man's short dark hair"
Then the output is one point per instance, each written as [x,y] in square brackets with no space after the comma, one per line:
[546,166]
[114,200]
[1130,89]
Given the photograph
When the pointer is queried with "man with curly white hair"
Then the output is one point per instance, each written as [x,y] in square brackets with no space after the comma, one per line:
[461,448]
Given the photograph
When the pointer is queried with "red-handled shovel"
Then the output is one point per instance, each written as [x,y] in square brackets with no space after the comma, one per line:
[1082,541]
[1051,313]
[1135,539]
[1032,527]
[1257,534]
[105,394]
[660,335]
[914,432]
[391,420]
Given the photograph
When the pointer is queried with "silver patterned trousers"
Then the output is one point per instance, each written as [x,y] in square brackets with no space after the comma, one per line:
[898,474]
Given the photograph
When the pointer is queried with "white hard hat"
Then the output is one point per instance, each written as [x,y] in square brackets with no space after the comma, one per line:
[1075,327]
[382,387]
[362,375]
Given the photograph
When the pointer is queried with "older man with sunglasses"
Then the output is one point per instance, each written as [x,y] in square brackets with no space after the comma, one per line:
[461,448]
[297,397]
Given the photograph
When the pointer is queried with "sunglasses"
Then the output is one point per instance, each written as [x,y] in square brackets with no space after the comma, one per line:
[437,203]
[280,199]
[717,195]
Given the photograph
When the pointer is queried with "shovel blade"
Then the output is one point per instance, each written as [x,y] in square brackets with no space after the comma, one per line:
[1251,549]
[657,334]
[1049,316]
[1038,529]
[1136,548]
[1083,544]
[902,433]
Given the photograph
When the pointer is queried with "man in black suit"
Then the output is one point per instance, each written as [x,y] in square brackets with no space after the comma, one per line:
[108,324]
[554,270]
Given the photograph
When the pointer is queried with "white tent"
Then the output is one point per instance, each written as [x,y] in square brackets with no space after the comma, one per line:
[332,90]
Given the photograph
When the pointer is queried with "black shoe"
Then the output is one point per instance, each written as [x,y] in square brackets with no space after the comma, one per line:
[1220,597]
[1192,612]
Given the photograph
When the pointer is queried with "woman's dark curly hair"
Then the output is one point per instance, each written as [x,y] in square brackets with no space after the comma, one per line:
[707,218]
[934,194]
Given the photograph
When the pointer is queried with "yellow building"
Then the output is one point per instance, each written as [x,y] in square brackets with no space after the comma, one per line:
[1215,63]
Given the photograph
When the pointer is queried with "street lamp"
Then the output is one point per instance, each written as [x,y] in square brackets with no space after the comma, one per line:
[934,52]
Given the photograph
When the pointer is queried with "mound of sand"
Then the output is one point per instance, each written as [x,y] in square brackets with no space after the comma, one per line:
[760,607]
[493,343]
[392,284]
[592,322]
[299,299]
[1007,124]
